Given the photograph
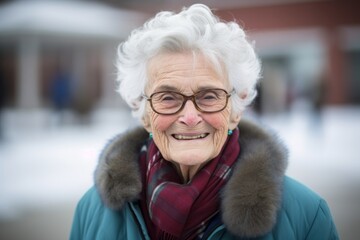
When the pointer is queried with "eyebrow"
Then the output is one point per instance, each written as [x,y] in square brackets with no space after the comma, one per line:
[166,88]
[175,89]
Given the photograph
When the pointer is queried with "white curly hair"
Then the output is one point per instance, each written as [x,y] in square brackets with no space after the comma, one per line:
[194,29]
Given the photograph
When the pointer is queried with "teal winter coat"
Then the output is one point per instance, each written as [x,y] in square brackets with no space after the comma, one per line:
[258,201]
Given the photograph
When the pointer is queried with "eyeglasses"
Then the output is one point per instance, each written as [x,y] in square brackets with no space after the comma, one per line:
[206,101]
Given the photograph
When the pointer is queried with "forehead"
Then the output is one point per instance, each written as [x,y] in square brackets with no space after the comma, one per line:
[183,72]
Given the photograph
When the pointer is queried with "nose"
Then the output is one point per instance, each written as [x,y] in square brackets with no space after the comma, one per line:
[189,115]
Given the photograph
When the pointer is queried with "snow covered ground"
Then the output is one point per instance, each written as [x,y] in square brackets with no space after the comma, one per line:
[45,167]
[45,162]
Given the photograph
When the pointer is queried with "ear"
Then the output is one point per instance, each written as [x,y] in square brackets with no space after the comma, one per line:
[146,122]
[234,120]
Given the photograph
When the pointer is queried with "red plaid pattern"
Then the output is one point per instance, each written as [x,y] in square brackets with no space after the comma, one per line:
[173,210]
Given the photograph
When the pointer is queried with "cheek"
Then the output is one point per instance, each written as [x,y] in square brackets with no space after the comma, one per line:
[219,121]
[161,123]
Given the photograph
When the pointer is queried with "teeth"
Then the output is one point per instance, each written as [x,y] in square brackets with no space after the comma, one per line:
[183,137]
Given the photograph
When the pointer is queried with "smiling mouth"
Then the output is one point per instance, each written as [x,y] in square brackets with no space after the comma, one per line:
[189,137]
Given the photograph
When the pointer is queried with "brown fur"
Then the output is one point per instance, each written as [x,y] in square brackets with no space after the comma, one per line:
[117,176]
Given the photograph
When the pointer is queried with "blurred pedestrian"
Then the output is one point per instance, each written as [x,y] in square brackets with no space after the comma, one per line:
[61,90]
[2,103]
[61,93]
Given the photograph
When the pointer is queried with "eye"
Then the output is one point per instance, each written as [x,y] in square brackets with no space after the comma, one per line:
[167,97]
[208,95]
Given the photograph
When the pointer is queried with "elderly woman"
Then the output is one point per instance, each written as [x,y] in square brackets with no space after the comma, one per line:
[194,170]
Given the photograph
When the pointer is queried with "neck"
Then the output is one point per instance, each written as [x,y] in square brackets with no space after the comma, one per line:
[187,172]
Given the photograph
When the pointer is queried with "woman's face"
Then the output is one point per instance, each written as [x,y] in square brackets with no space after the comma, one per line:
[188,137]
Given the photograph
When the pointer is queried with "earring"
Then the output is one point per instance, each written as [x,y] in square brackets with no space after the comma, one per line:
[150,135]
[230,132]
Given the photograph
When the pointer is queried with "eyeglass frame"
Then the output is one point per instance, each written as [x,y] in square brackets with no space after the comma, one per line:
[192,98]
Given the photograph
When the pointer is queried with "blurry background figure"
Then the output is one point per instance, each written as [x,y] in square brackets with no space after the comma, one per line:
[2,102]
[317,96]
[61,93]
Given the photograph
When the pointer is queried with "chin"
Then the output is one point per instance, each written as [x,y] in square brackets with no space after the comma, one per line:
[190,158]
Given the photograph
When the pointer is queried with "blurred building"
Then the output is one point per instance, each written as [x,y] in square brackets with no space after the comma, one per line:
[61,53]
[310,50]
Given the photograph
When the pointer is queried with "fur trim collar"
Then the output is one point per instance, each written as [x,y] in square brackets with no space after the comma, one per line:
[250,199]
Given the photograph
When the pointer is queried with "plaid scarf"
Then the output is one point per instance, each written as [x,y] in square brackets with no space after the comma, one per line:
[173,210]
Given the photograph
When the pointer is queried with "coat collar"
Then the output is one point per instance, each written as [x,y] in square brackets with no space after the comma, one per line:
[250,199]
